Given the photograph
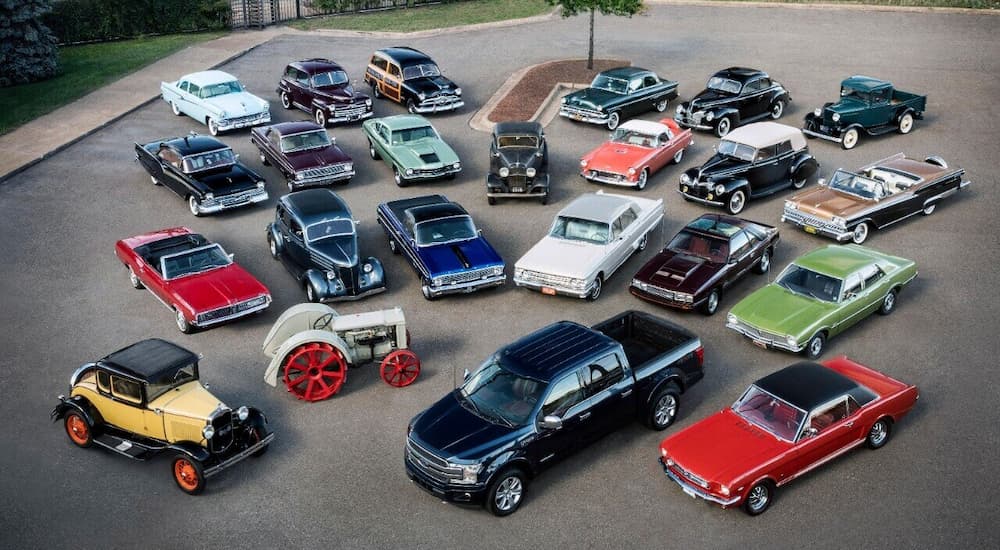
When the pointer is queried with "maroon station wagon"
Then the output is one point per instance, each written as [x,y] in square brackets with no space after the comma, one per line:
[304,153]
[321,88]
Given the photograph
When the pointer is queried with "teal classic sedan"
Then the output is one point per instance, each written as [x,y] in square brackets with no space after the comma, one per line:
[412,147]
[819,295]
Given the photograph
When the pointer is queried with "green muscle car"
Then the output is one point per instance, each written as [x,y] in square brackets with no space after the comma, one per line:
[819,295]
[412,147]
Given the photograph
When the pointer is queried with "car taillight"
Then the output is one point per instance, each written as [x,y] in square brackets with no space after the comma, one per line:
[700,354]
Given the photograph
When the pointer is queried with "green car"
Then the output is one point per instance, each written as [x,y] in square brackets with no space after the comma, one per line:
[820,295]
[412,147]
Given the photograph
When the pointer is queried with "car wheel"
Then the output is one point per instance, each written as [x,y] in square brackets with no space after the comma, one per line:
[643,242]
[723,126]
[777,109]
[878,436]
[663,407]
[393,247]
[175,109]
[194,206]
[595,293]
[311,294]
[544,200]
[320,117]
[80,431]
[372,152]
[182,323]
[929,209]
[661,105]
[411,107]
[188,474]
[711,304]
[643,178]
[736,202]
[272,246]
[375,91]
[613,120]
[815,346]
[860,234]
[425,289]
[263,159]
[888,303]
[257,434]
[506,492]
[765,262]
[849,139]
[758,498]
[678,156]
[154,180]
[134,279]
[491,200]
[905,123]
[286,101]
[398,178]
[213,127]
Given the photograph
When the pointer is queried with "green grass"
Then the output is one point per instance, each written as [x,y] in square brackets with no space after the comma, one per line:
[83,69]
[429,17]
[975,4]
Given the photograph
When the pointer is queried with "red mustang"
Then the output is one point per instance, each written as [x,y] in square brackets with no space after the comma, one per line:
[192,276]
[786,424]
[636,150]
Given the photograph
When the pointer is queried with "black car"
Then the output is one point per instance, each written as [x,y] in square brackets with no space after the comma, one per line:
[313,234]
[519,161]
[733,97]
[618,94]
[411,78]
[202,170]
[321,88]
[754,161]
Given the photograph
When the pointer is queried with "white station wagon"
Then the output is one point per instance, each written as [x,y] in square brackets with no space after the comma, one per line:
[217,99]
[589,240]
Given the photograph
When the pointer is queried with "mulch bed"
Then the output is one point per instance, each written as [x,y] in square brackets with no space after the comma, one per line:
[527,96]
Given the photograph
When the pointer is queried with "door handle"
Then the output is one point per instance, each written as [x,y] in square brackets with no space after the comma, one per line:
[627,392]
[849,424]
[585,415]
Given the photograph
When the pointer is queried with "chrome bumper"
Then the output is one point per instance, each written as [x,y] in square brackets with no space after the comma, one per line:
[323,180]
[209,472]
[698,492]
[468,286]
[226,125]
[765,342]
[541,287]
[352,297]
[582,116]
[435,108]
[624,181]
[334,118]
[827,137]
[818,229]
[261,307]
[688,123]
[215,206]
[699,199]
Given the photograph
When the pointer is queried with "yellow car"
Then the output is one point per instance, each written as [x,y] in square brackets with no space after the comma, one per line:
[145,399]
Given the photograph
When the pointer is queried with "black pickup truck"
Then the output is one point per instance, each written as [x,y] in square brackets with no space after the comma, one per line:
[544,396]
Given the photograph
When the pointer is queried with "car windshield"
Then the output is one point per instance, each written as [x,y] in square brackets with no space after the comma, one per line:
[171,379]
[444,230]
[736,150]
[222,88]
[329,228]
[609,84]
[726,85]
[858,185]
[710,248]
[304,141]
[809,283]
[417,71]
[847,91]
[633,137]
[500,396]
[407,135]
[517,141]
[196,260]
[329,78]
[578,229]
[209,160]
[774,415]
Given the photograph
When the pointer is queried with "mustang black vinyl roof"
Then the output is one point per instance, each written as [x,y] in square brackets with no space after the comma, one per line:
[808,385]
[150,359]
[419,214]
[548,352]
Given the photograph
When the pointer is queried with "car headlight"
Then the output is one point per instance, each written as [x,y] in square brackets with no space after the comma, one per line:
[730,318]
[790,205]
[409,171]
[720,189]
[224,115]
[437,281]
[300,175]
[600,108]
[530,172]
[504,172]
[583,162]
[791,341]
[470,472]
[260,184]
[710,116]
[578,284]
[639,284]
[208,432]
[348,167]
[631,171]
[458,91]
[331,275]
[457,165]
[368,102]
[242,413]
[563,101]
[841,222]
[367,268]
[685,178]
[818,112]
[724,490]
[836,117]
[209,196]
[498,270]
[422,96]
[680,109]
[518,272]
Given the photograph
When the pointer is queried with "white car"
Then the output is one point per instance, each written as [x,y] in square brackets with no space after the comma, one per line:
[217,99]
[588,241]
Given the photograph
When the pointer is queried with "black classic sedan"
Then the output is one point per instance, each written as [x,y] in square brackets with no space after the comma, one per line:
[411,78]
[618,94]
[754,161]
[733,97]
[313,234]
[519,161]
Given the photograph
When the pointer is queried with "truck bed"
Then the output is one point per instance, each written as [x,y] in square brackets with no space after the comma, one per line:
[644,337]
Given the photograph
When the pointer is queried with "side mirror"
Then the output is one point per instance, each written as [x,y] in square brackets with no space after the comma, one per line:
[333,140]
[809,432]
[479,232]
[466,374]
[231,256]
[731,261]
[551,422]
[236,157]
[357,222]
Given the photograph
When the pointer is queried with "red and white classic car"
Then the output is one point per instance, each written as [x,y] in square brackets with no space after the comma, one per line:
[635,151]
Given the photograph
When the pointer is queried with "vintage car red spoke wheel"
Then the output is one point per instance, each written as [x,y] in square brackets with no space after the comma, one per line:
[400,368]
[78,430]
[188,475]
[314,371]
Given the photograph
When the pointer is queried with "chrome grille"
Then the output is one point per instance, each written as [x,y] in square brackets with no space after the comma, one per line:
[248,119]
[234,199]
[546,278]
[570,110]
[353,110]
[606,175]
[232,310]
[801,218]
[758,334]
[223,425]
[439,100]
[430,464]
[432,171]
[330,170]
[466,276]
[679,297]
[693,478]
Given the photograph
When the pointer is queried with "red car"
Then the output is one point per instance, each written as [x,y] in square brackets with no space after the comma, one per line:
[636,150]
[192,276]
[786,424]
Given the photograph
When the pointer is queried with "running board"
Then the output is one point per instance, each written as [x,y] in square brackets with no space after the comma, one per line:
[124,447]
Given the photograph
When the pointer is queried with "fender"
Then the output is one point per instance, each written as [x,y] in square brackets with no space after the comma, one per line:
[78,404]
[899,114]
[283,87]
[324,336]
[542,180]
[192,450]
[508,459]
[807,163]
[732,184]
[279,242]
[731,112]
[671,375]
[294,320]
[318,281]
[377,276]
[856,125]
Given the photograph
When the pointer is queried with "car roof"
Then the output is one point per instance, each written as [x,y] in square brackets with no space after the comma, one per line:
[149,359]
[718,225]
[624,72]
[313,205]
[764,134]
[518,127]
[417,214]
[404,122]
[864,83]
[740,74]
[317,65]
[193,144]
[645,127]
[551,351]
[836,260]
[598,206]
[405,55]
[296,127]
[207,78]
[808,385]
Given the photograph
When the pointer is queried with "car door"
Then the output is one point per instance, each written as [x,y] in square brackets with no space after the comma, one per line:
[740,256]
[183,100]
[879,110]
[382,141]
[171,164]
[299,87]
[666,147]
[295,245]
[195,104]
[831,429]
[123,404]
[393,82]
[769,172]
[152,278]
[853,304]
[609,394]
[624,239]
[563,399]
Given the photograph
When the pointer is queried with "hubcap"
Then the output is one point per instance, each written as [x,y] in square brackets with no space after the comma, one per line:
[850,138]
[816,346]
[186,473]
[132,277]
[272,246]
[713,302]
[765,262]
[906,123]
[929,210]
[890,302]
[678,156]
[860,233]
[193,205]
[181,322]
[508,494]
[736,202]
[758,498]
[666,408]
[597,289]
[777,110]
[878,433]
[723,127]
[284,100]
[310,293]
[613,121]
[642,180]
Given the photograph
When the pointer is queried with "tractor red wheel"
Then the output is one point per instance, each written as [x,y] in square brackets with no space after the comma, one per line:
[400,368]
[314,371]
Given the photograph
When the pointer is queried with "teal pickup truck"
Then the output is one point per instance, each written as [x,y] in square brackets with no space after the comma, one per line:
[866,105]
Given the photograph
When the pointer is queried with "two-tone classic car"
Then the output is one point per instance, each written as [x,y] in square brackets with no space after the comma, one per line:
[784,425]
[590,239]
[412,147]
[733,97]
[146,399]
[852,204]
[321,88]
[439,239]
[411,78]
[819,295]
[618,94]
[314,236]
[304,153]
[866,105]
[202,170]
[636,150]
[216,99]
[192,276]
[704,260]
[757,160]
[519,162]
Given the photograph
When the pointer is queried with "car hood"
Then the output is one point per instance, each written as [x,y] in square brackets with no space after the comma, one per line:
[341,93]
[591,98]
[723,447]
[826,203]
[518,157]
[217,288]
[678,271]
[223,181]
[721,166]
[316,158]
[847,105]
[778,310]
[555,256]
[459,256]
[238,104]
[616,157]
[425,153]
[457,432]
[341,251]
[431,86]
[709,98]
[191,400]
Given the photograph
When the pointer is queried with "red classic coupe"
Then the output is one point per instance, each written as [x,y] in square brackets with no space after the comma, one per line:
[786,424]
[192,276]
[636,150]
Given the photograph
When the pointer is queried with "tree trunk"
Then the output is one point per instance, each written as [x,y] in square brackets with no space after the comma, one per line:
[590,52]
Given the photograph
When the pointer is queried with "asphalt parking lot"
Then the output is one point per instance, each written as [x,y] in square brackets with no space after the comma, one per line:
[334,474]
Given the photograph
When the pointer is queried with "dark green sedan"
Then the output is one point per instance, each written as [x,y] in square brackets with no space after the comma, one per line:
[618,94]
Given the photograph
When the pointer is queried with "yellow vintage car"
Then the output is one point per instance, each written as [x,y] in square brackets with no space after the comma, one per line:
[146,399]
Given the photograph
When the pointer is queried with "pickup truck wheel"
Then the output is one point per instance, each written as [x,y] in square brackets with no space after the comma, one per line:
[314,371]
[213,127]
[711,304]
[815,346]
[643,178]
[736,202]
[678,156]
[661,105]
[320,117]
[777,109]
[878,436]
[175,109]
[613,120]
[372,152]
[286,101]
[765,262]
[506,492]
[595,293]
[663,407]
[78,429]
[888,303]
[134,279]
[849,139]
[758,498]
[188,474]
[194,206]
[905,123]
[860,233]
[398,178]
[182,323]
[723,126]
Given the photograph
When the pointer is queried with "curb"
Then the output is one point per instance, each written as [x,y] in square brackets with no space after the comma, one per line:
[820,6]
[344,33]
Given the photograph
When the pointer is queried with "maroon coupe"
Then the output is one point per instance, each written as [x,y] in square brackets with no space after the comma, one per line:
[304,154]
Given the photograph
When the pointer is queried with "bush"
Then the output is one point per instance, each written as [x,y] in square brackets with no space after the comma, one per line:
[89,20]
[27,48]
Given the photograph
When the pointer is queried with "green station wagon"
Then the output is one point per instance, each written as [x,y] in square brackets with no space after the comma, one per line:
[820,295]
[412,147]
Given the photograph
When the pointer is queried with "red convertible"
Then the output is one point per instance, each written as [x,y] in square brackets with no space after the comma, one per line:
[786,424]
[192,276]
[636,150]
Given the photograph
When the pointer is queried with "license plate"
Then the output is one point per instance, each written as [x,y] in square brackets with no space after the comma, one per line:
[708,196]
[760,343]
[549,291]
[577,116]
[690,492]
[809,229]
[469,289]
[517,190]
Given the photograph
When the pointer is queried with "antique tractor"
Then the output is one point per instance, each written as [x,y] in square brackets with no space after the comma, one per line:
[312,346]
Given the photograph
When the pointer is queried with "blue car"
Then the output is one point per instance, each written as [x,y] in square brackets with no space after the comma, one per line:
[441,242]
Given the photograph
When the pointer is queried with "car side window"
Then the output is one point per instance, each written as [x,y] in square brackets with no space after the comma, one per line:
[273,137]
[634,84]
[125,389]
[766,153]
[379,63]
[563,394]
[603,374]
[295,228]
[194,90]
[871,275]
[763,83]
[103,382]
[852,285]
[828,415]
[650,80]
[878,96]
[170,156]
[784,147]
[751,87]
[627,217]
[394,71]
[290,72]
[302,78]
[183,85]
[739,245]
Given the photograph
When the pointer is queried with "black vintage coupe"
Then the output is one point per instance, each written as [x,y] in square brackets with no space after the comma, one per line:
[519,159]
[618,94]
[733,97]
[411,78]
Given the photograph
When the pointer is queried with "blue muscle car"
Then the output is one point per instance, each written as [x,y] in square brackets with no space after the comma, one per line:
[440,240]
